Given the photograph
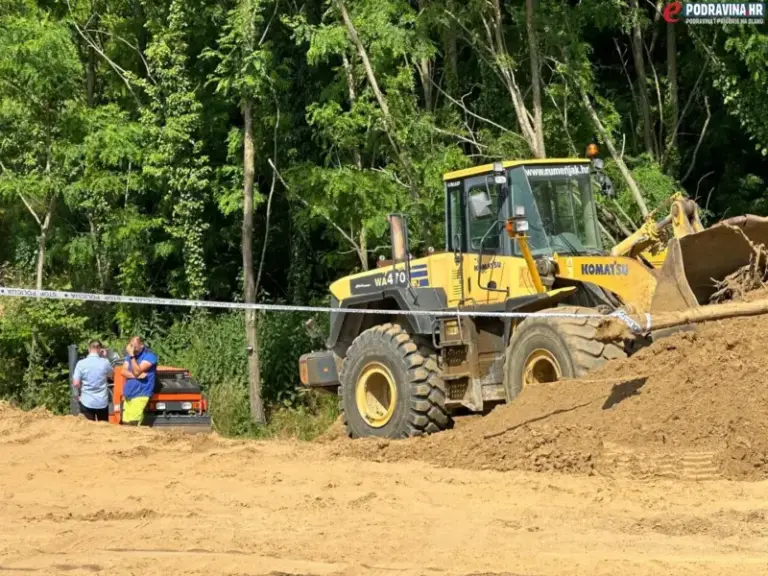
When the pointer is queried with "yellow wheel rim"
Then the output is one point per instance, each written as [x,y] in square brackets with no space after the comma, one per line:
[541,367]
[376,394]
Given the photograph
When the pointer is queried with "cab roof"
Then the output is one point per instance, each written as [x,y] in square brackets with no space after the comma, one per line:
[486,168]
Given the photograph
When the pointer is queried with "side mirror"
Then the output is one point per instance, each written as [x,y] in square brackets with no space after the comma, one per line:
[607,187]
[601,178]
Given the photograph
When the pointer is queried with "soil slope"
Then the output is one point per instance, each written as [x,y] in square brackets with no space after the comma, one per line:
[691,405]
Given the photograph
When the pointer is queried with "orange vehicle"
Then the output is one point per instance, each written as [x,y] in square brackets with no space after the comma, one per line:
[177,402]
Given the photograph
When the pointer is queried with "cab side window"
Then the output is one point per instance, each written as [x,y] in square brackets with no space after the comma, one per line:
[455,227]
[483,208]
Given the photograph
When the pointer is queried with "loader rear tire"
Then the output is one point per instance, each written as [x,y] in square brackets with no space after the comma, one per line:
[390,388]
[545,349]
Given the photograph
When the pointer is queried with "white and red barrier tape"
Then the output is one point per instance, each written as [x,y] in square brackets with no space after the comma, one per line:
[115,299]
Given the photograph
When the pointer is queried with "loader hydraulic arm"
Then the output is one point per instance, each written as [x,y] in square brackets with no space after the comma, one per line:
[683,217]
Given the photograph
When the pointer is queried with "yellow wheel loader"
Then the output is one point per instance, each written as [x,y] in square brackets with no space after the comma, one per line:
[520,236]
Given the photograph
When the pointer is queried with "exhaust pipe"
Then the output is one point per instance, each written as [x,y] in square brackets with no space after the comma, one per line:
[399,232]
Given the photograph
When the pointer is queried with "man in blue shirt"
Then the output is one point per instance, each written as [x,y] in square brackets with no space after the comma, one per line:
[139,370]
[90,379]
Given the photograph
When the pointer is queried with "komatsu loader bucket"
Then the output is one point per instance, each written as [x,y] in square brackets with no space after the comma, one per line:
[695,262]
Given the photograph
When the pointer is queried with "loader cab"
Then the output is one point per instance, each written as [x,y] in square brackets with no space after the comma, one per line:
[556,197]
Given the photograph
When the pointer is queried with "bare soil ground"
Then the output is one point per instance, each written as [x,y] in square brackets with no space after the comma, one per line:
[79,498]
[655,465]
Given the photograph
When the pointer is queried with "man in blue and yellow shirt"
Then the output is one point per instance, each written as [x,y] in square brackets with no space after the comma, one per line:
[139,370]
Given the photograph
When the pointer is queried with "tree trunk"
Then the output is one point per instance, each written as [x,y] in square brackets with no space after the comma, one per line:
[637,53]
[90,72]
[501,58]
[636,194]
[533,47]
[613,221]
[388,121]
[362,253]
[45,226]
[90,96]
[672,79]
[40,261]
[453,59]
[612,328]
[91,77]
[100,268]
[249,157]
[425,73]
[143,36]
[350,74]
[363,249]
[424,66]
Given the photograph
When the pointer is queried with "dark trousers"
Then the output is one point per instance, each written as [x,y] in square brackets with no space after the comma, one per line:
[94,414]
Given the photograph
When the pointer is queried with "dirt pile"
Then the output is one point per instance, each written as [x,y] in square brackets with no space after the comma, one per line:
[693,405]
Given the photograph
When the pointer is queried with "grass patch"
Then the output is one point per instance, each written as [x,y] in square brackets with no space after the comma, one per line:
[311,415]
[309,420]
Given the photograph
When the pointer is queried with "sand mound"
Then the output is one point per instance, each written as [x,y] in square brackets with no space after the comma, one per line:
[335,432]
[39,427]
[692,405]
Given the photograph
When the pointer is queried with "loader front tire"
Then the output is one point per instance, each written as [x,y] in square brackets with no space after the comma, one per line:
[389,388]
[545,350]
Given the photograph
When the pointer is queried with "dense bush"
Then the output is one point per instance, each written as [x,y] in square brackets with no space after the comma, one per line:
[213,348]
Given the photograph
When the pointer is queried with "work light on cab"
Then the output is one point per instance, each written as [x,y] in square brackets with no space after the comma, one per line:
[498,174]
[518,223]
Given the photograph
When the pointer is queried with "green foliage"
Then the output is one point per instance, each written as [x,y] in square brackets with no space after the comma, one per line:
[741,74]
[40,109]
[122,138]
[655,185]
[176,162]
[33,350]
[38,60]
[213,348]
[304,421]
[307,420]
[230,410]
[245,67]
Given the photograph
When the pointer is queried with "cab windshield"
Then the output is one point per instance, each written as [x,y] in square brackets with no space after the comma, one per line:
[560,209]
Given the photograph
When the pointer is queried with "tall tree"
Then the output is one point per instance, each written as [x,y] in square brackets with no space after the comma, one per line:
[40,75]
[672,81]
[176,162]
[638,54]
[246,73]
